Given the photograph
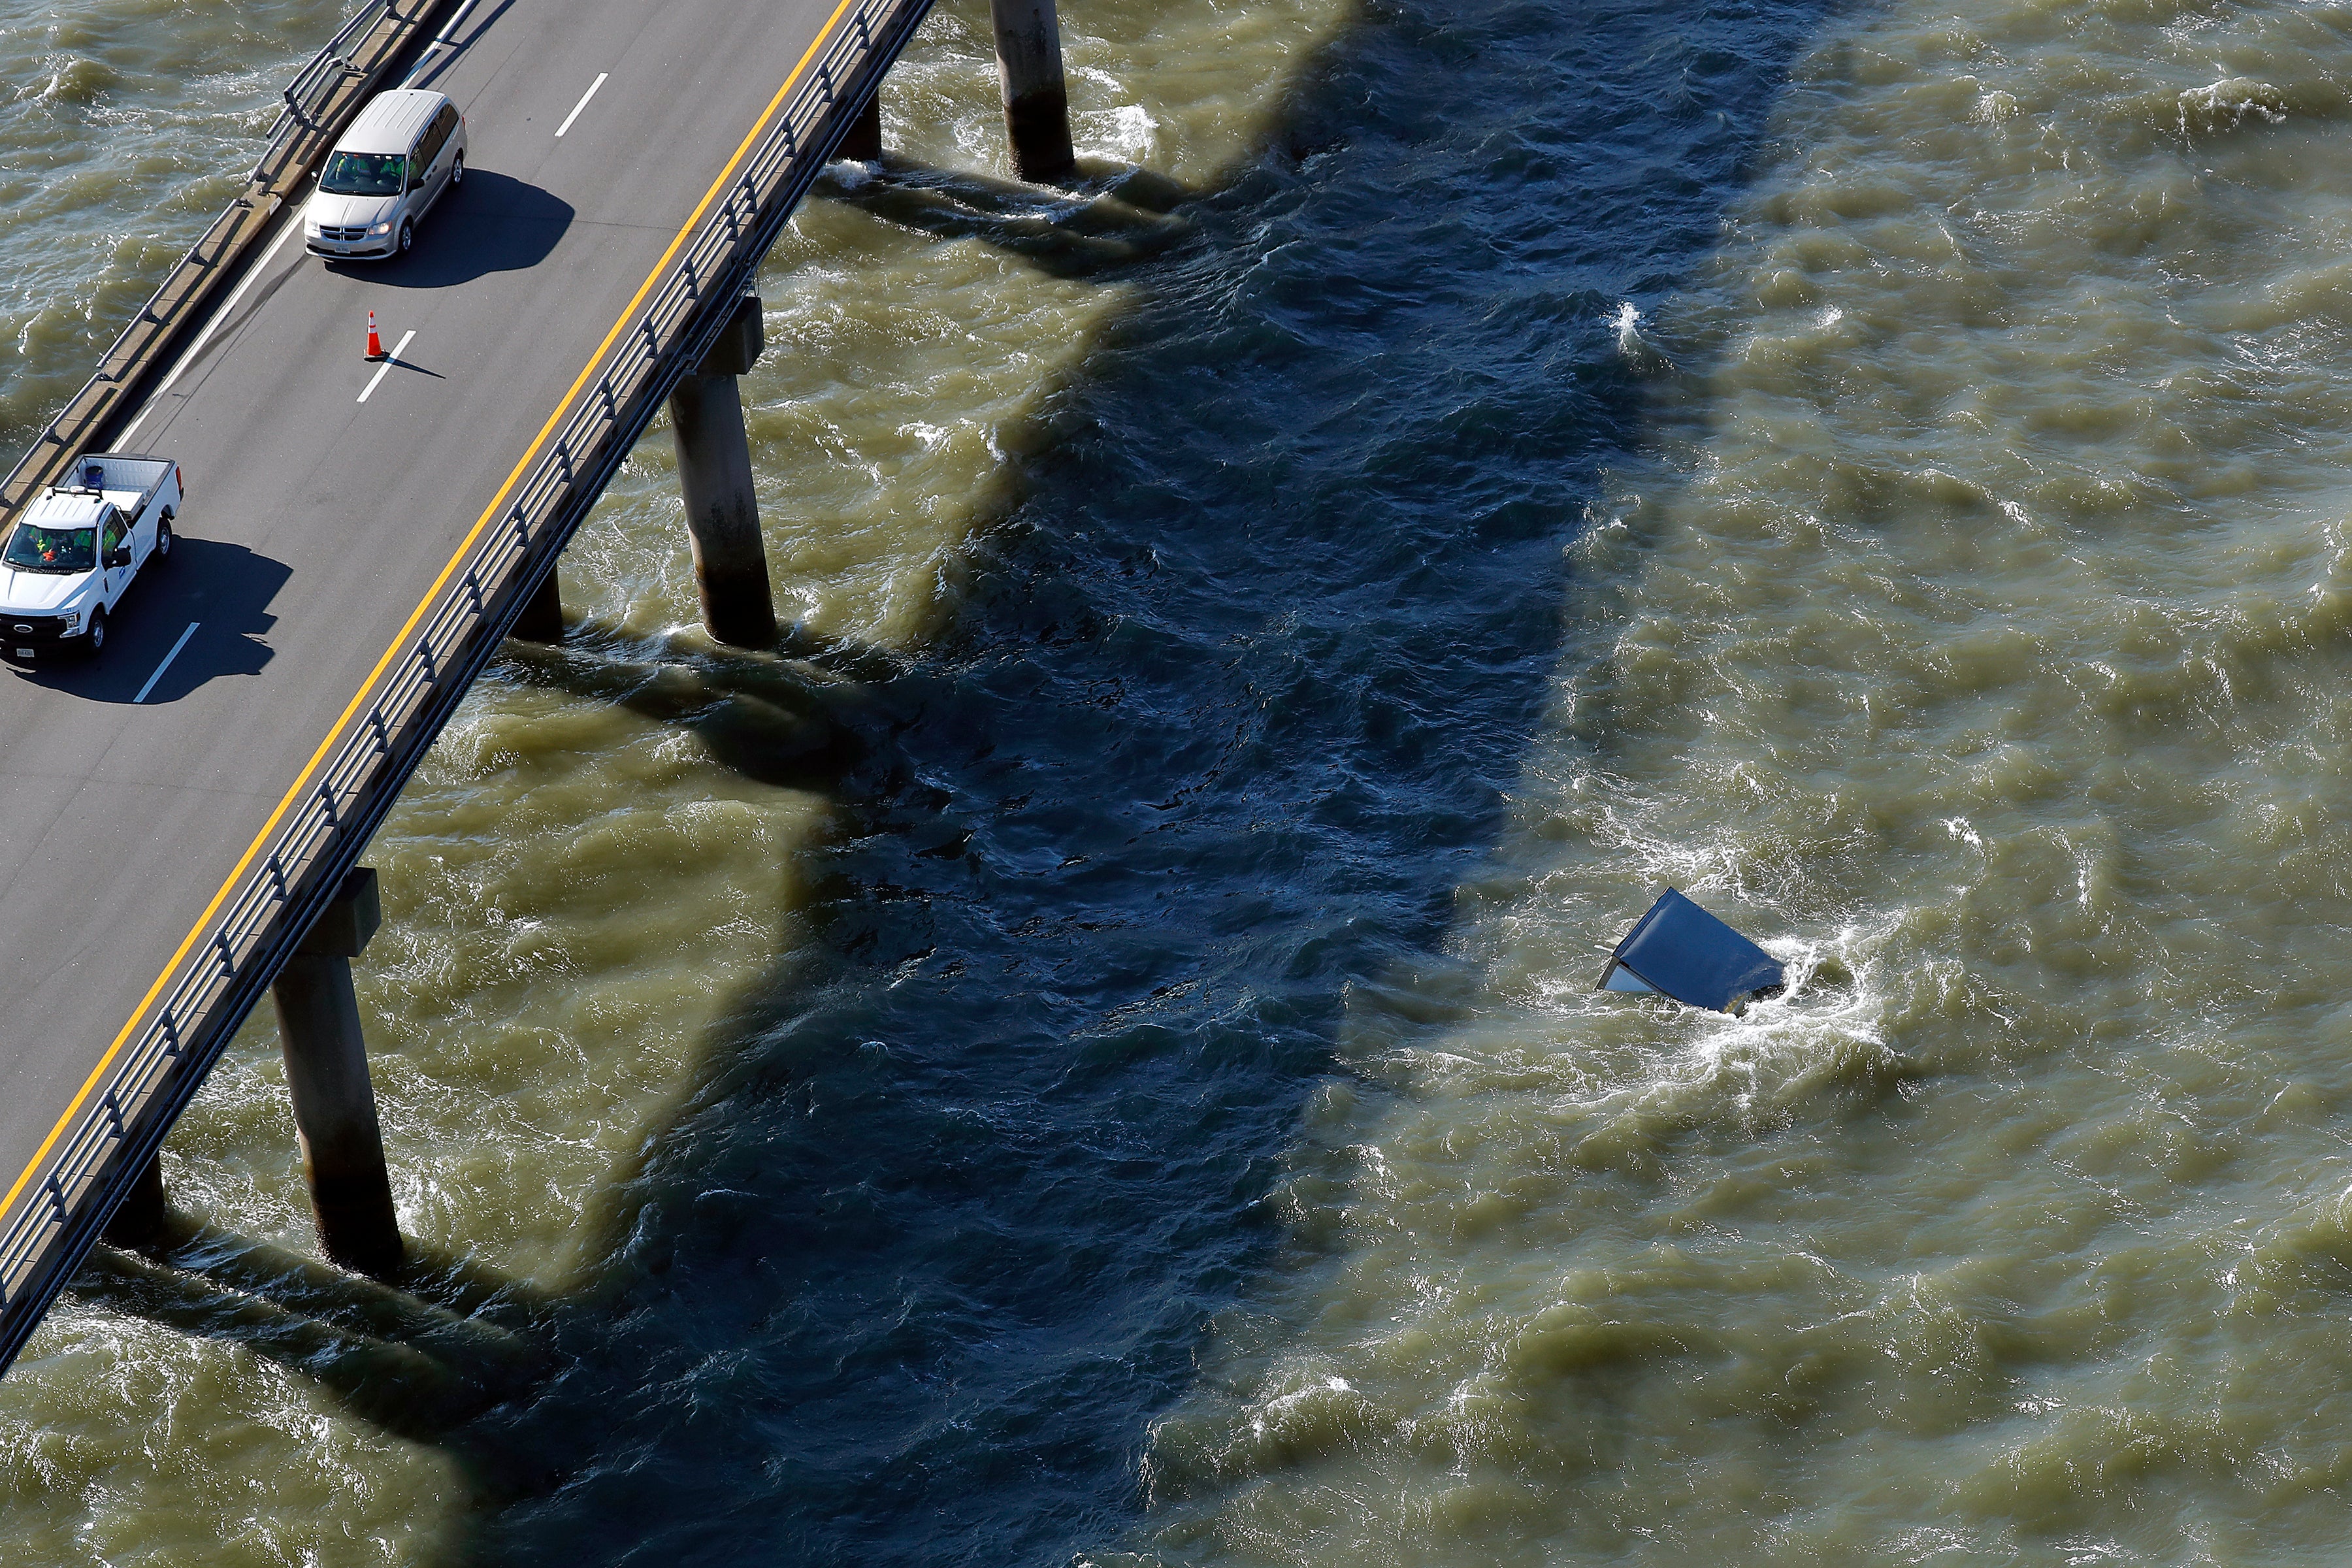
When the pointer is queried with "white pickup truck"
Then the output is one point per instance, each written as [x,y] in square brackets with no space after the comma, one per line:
[72,556]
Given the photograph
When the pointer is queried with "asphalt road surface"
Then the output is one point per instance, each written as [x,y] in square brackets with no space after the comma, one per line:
[323,497]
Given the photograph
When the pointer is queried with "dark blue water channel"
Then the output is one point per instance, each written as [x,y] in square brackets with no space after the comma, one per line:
[1226,714]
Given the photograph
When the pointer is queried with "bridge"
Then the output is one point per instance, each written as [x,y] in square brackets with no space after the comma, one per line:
[190,809]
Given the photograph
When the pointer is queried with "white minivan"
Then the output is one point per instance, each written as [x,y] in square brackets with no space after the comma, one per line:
[384,174]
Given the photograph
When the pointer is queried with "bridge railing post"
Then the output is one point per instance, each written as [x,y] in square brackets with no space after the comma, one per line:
[327,1079]
[1036,98]
[714,471]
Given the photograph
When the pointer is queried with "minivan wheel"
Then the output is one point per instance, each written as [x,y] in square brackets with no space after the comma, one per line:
[407,235]
[95,638]
[457,170]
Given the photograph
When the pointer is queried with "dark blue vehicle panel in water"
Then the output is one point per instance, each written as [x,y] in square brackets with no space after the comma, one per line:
[1685,952]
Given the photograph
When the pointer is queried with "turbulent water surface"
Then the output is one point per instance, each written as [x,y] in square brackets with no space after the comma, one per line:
[1087,1054]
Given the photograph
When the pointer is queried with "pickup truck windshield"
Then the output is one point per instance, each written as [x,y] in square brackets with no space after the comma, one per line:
[61,550]
[364,175]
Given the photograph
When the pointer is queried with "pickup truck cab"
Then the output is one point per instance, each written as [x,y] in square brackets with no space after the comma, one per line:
[73,554]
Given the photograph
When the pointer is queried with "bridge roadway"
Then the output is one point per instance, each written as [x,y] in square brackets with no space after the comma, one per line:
[323,502]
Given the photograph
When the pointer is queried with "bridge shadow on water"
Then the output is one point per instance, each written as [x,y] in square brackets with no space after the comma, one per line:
[1224,716]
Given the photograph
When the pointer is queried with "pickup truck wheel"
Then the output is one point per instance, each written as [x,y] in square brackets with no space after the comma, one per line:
[163,537]
[95,638]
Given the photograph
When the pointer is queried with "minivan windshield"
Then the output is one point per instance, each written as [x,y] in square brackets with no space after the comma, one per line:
[364,175]
[61,549]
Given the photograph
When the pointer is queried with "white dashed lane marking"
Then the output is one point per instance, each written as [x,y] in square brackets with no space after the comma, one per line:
[582,103]
[390,360]
[167,664]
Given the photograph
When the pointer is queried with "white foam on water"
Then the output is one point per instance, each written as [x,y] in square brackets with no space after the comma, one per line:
[1628,324]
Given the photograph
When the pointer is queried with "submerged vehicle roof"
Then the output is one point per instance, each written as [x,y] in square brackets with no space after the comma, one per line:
[1681,950]
[391,122]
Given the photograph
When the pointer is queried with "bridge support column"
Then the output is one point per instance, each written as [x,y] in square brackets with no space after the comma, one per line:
[864,143]
[140,1222]
[714,469]
[327,1077]
[542,619]
[1036,102]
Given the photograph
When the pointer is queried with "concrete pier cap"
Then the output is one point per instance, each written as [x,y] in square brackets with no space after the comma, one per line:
[862,142]
[142,1219]
[542,617]
[344,927]
[740,342]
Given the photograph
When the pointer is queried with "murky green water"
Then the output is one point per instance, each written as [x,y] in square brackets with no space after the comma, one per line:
[1091,1053]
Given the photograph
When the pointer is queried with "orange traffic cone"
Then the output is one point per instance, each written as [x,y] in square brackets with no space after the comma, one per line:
[375,343]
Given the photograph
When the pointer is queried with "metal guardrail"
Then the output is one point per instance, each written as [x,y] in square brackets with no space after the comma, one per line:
[325,828]
[324,95]
[321,73]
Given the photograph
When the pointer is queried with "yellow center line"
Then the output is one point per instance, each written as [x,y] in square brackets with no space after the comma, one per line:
[8,1203]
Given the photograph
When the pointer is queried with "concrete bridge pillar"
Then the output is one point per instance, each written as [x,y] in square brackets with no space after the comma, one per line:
[1036,103]
[714,469]
[327,1077]
[864,143]
[542,619]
